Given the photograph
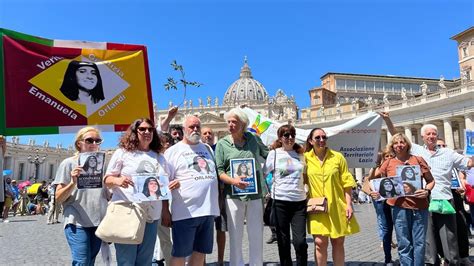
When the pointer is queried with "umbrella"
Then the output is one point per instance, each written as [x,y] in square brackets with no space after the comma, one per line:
[33,189]
[7,172]
[24,184]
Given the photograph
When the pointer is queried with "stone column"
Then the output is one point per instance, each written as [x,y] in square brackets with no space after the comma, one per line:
[461,134]
[359,175]
[389,136]
[417,137]
[383,139]
[441,132]
[448,133]
[408,133]
[468,119]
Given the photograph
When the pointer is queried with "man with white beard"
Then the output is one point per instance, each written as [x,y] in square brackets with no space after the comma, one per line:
[195,204]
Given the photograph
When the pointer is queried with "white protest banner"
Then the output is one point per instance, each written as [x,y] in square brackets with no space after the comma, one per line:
[357,139]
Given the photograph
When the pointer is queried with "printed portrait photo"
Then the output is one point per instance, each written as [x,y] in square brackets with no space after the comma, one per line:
[82,83]
[201,165]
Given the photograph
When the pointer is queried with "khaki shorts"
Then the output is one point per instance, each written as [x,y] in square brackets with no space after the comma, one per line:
[8,202]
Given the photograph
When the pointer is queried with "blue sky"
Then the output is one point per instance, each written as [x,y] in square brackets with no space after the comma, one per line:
[289,44]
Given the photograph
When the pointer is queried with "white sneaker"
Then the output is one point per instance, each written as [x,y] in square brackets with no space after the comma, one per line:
[389,264]
[6,221]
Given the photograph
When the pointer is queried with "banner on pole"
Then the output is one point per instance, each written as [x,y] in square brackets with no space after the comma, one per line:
[56,86]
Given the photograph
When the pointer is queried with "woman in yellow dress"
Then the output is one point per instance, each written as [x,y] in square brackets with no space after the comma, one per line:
[327,176]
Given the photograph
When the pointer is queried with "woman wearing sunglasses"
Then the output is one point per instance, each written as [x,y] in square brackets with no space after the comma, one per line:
[139,145]
[83,208]
[327,176]
[288,195]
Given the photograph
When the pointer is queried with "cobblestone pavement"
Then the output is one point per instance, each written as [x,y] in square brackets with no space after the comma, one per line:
[28,240]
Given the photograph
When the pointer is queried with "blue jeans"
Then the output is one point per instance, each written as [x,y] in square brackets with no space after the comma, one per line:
[83,243]
[384,220]
[141,254]
[410,228]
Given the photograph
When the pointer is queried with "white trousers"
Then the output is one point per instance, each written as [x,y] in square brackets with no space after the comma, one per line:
[252,212]
[163,244]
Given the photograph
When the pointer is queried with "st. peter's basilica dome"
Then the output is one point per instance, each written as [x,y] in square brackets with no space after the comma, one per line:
[245,90]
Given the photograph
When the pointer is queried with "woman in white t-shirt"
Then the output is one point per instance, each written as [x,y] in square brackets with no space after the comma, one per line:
[288,195]
[139,153]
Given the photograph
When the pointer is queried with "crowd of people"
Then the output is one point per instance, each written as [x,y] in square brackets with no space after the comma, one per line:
[223,185]
[19,200]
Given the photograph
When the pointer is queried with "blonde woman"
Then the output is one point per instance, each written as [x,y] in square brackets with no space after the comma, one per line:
[410,214]
[83,208]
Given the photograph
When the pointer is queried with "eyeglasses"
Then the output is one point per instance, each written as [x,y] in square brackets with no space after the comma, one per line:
[287,135]
[92,141]
[320,137]
[143,129]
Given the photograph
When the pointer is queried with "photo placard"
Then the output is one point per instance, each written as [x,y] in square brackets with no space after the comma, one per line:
[244,168]
[411,178]
[92,170]
[150,187]
[388,187]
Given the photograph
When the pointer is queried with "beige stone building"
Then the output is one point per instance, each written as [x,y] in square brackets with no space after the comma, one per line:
[349,92]
[465,41]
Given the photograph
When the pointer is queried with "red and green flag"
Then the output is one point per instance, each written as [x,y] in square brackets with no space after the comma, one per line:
[57,86]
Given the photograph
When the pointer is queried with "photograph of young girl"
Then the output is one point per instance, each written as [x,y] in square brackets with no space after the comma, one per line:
[151,188]
[92,169]
[388,187]
[91,166]
[242,169]
[82,83]
[148,187]
[200,165]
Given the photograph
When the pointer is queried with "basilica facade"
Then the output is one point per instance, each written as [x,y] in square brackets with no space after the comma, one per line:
[244,91]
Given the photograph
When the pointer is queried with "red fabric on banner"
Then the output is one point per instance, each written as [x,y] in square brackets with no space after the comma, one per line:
[22,61]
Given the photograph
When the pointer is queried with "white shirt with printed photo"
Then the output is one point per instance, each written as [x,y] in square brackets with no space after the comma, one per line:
[137,162]
[288,182]
[198,192]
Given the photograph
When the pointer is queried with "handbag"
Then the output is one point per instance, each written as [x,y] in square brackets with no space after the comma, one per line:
[269,214]
[469,194]
[317,205]
[124,223]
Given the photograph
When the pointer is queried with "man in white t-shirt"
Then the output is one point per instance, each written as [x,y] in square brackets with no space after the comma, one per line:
[195,204]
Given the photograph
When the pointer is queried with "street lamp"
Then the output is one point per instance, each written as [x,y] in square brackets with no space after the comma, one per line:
[36,160]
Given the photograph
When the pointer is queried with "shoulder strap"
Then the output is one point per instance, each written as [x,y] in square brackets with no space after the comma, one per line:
[210,151]
[213,159]
[273,173]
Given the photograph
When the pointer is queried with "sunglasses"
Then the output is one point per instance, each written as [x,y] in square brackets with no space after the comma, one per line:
[320,137]
[92,141]
[143,129]
[287,135]
[442,146]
